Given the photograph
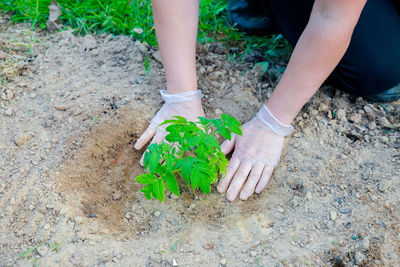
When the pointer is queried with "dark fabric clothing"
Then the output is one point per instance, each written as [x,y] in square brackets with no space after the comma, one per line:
[371,64]
[249,17]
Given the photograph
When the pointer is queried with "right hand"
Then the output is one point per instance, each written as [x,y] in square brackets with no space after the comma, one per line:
[256,153]
[191,110]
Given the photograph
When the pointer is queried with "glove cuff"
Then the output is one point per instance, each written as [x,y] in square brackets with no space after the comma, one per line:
[181,97]
[272,123]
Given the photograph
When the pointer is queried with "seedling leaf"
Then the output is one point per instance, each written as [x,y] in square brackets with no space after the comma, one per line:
[147,191]
[232,123]
[159,190]
[225,133]
[172,183]
[146,178]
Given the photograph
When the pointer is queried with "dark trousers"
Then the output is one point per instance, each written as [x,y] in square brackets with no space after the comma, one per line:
[372,62]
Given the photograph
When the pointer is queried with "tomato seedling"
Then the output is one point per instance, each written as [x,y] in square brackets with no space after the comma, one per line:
[192,153]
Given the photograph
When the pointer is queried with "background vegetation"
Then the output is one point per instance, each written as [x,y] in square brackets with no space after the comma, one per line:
[134,17]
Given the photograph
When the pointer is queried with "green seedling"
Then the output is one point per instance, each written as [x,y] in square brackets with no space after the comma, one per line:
[146,65]
[29,252]
[192,154]
[176,243]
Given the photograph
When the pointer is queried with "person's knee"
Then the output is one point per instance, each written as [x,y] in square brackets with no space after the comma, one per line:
[378,74]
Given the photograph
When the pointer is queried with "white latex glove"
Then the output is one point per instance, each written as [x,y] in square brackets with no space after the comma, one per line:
[186,104]
[257,153]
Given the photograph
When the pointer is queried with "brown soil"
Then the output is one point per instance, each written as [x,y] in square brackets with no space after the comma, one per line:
[67,188]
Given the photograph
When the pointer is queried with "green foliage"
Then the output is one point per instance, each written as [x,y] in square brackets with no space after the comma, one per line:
[133,17]
[264,65]
[90,16]
[146,65]
[192,153]
[32,252]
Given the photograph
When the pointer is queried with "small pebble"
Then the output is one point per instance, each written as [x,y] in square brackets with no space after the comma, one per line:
[370,112]
[329,115]
[280,210]
[359,258]
[139,80]
[157,214]
[368,109]
[157,56]
[333,215]
[89,42]
[78,219]
[308,195]
[174,263]
[33,95]
[9,112]
[372,125]
[314,112]
[22,138]
[341,114]
[364,245]
[95,52]
[384,185]
[383,139]
[323,107]
[46,226]
[42,250]
[10,95]
[384,122]
[223,261]
[355,118]
[117,195]
[81,235]
[218,111]
[3,55]
[142,47]
[138,30]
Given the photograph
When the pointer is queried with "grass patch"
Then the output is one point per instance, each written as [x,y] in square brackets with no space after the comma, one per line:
[123,16]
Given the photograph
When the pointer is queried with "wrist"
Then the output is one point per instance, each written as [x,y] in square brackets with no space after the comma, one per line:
[186,96]
[281,110]
[272,124]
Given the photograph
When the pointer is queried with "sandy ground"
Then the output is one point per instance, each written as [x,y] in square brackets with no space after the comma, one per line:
[68,122]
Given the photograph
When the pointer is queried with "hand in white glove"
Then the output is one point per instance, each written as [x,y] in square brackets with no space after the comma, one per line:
[187,104]
[257,153]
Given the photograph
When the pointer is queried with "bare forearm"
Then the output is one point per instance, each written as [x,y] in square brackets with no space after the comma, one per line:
[318,51]
[176,24]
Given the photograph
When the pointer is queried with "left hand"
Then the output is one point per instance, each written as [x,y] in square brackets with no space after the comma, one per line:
[256,155]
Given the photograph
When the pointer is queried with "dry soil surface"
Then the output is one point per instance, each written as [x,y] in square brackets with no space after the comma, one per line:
[68,122]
